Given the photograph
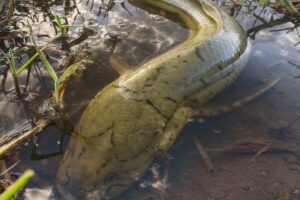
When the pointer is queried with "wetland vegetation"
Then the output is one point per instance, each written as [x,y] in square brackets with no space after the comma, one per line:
[55,56]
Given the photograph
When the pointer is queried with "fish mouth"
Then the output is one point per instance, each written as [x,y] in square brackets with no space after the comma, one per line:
[93,194]
[115,190]
[63,194]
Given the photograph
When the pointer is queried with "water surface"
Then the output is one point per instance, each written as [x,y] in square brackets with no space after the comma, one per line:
[132,35]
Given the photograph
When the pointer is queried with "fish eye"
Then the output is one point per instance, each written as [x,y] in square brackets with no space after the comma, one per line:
[110,177]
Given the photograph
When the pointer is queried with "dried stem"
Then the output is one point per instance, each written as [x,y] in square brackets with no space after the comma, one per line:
[39,126]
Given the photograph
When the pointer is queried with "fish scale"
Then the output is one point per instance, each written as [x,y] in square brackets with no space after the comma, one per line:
[143,111]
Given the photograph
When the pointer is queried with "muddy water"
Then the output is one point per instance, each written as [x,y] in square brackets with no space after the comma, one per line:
[130,35]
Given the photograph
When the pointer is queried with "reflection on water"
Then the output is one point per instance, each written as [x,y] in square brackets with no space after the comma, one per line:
[130,35]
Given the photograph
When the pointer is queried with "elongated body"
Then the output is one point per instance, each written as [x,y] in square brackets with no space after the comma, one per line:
[143,111]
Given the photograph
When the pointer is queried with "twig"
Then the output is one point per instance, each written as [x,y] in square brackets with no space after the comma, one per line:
[6,176]
[203,153]
[4,172]
[42,124]
[254,147]
[239,147]
[165,180]
[261,151]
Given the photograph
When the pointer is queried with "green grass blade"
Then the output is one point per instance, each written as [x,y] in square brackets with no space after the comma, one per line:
[47,66]
[56,92]
[17,186]
[12,64]
[264,1]
[289,6]
[60,25]
[26,64]
[29,61]
[42,57]
[68,72]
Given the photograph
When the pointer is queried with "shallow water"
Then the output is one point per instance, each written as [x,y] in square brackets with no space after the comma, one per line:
[127,34]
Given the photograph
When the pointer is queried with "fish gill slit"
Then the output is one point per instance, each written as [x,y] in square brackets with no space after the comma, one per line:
[68,177]
[125,89]
[103,132]
[150,103]
[171,99]
[134,156]
[81,152]
[112,135]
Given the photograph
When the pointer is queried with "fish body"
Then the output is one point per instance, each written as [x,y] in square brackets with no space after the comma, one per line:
[143,111]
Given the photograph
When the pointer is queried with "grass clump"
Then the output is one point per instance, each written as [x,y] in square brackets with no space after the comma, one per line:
[58,80]
[57,92]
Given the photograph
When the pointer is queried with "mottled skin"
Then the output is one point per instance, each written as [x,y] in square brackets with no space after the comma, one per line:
[143,111]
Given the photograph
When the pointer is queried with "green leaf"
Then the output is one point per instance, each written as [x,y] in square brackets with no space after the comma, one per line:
[47,66]
[12,64]
[289,6]
[60,25]
[264,1]
[17,186]
[68,72]
[42,56]
[28,62]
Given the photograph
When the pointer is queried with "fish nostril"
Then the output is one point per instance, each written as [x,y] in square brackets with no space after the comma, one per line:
[81,192]
[63,179]
[110,177]
[67,192]
[61,192]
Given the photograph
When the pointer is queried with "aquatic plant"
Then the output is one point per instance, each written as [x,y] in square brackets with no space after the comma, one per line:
[17,186]
[62,27]
[57,96]
[58,81]
[287,4]
[47,66]
[12,67]
[7,8]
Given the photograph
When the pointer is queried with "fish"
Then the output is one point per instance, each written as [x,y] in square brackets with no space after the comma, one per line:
[141,113]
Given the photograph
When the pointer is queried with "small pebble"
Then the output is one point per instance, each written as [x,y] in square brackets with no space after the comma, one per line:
[216,131]
[157,18]
[201,120]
